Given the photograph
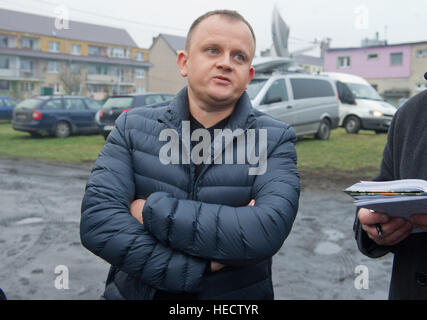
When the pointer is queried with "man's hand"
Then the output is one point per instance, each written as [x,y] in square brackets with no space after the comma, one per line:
[419,220]
[136,208]
[394,229]
[216,266]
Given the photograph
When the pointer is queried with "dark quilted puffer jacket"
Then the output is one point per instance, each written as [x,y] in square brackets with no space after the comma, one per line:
[189,222]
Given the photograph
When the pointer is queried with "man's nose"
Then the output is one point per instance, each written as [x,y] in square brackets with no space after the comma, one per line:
[224,62]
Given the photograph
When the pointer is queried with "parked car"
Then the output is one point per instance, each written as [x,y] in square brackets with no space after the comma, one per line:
[308,103]
[361,107]
[59,116]
[116,105]
[6,107]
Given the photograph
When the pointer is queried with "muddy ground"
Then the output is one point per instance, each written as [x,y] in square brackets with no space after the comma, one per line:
[39,233]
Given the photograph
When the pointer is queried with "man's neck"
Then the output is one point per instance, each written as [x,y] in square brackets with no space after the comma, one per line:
[209,118]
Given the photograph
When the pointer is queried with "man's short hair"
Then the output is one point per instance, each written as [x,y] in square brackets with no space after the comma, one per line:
[229,14]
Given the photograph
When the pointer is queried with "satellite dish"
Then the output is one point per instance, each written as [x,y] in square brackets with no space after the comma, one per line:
[280,32]
[271,64]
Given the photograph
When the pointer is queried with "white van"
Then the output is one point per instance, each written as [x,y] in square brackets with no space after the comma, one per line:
[309,103]
[361,107]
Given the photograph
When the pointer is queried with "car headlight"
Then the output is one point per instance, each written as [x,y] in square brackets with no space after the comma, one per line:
[377,114]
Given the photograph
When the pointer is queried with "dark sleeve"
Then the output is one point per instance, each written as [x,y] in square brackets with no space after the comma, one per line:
[367,246]
[109,231]
[233,235]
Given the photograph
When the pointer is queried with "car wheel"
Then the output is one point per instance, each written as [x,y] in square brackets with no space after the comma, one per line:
[324,130]
[352,124]
[62,130]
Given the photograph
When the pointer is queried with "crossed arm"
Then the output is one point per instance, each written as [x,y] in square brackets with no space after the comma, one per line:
[137,208]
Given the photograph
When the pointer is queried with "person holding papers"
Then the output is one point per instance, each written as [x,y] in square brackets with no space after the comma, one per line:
[377,233]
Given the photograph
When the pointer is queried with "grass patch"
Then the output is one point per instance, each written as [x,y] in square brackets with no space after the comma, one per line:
[343,154]
[357,155]
[74,149]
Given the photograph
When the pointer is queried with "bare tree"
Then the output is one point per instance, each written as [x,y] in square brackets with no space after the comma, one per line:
[70,81]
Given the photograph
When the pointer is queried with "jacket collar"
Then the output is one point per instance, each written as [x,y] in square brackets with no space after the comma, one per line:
[243,115]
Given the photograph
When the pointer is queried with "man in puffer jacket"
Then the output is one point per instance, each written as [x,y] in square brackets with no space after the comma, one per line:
[173,227]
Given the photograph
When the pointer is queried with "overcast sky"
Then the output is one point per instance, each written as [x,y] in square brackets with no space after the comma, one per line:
[346,22]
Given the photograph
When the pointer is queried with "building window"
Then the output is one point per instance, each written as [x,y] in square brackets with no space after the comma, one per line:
[4,85]
[27,86]
[343,62]
[140,56]
[4,63]
[30,43]
[96,51]
[26,65]
[7,41]
[92,88]
[396,59]
[97,69]
[140,90]
[57,88]
[53,67]
[118,53]
[75,68]
[372,56]
[76,49]
[54,46]
[422,53]
[139,73]
[4,41]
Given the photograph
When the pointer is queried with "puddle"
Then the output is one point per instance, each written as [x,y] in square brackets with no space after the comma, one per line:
[327,248]
[334,235]
[29,221]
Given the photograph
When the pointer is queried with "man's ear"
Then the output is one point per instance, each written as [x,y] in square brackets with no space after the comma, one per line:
[250,76]
[181,61]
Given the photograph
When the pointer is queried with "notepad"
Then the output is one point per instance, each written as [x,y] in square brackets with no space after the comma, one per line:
[397,198]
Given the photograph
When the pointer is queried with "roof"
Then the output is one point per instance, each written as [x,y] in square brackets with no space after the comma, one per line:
[304,59]
[176,43]
[345,77]
[378,46]
[44,25]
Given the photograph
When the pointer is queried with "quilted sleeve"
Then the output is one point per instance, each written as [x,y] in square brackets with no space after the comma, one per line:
[109,231]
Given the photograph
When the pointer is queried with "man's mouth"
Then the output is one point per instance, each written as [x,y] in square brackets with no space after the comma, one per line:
[222,80]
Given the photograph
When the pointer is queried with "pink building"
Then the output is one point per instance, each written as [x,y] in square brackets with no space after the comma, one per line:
[392,61]
[395,71]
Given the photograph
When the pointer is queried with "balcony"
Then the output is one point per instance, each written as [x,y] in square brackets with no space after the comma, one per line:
[101,79]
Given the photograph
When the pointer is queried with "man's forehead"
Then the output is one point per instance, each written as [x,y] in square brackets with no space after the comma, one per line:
[209,28]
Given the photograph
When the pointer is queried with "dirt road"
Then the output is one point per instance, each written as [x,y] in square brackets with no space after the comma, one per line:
[40,244]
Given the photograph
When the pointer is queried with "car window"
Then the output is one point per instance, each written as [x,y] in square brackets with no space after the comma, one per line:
[118,102]
[276,93]
[10,102]
[54,104]
[153,99]
[30,103]
[93,104]
[168,97]
[311,88]
[255,87]
[74,104]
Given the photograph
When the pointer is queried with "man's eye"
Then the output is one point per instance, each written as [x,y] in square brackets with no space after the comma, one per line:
[212,51]
[240,57]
